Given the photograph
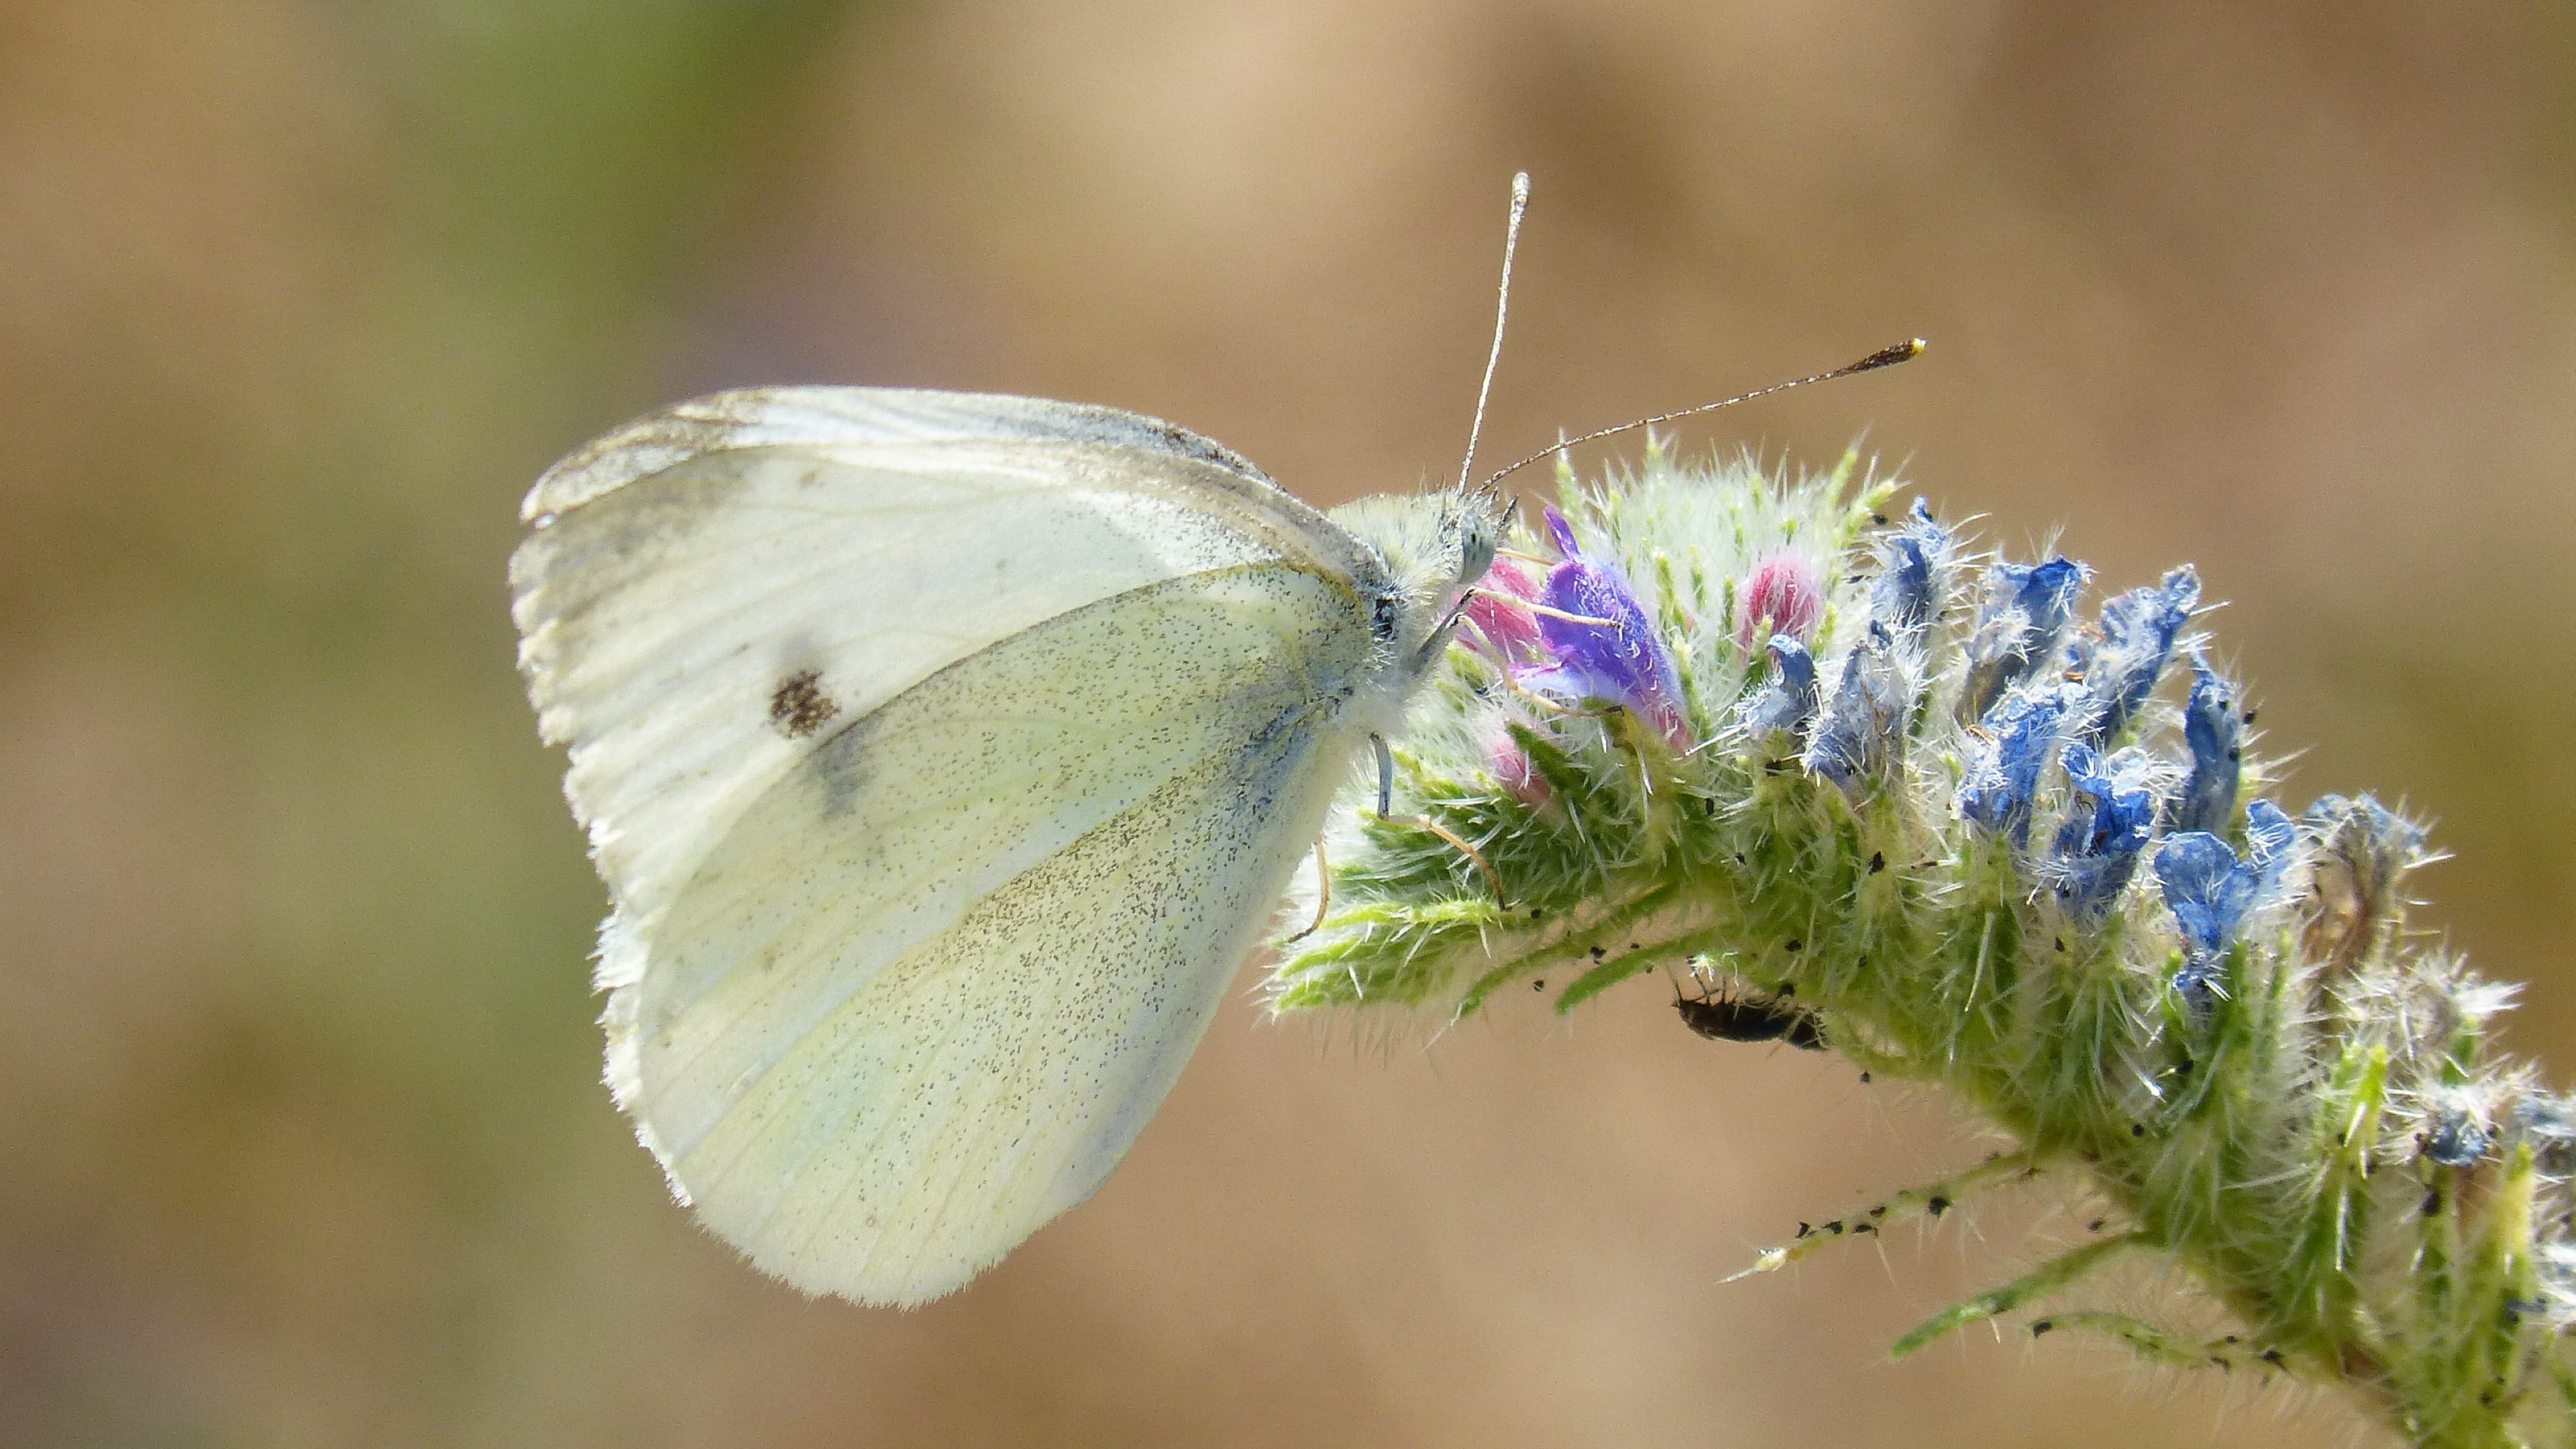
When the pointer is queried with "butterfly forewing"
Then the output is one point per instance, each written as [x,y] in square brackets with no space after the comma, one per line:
[820,575]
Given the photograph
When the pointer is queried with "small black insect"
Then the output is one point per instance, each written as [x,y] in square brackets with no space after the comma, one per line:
[1751,1017]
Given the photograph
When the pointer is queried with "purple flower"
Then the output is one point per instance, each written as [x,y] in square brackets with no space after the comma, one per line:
[2121,664]
[1620,660]
[2005,757]
[2021,624]
[2097,848]
[2211,729]
[1788,699]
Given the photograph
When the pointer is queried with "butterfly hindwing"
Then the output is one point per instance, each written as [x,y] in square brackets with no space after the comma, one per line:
[927,990]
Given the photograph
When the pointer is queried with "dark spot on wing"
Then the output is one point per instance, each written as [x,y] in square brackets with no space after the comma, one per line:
[800,707]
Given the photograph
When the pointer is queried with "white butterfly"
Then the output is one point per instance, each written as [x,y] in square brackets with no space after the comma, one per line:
[944,754]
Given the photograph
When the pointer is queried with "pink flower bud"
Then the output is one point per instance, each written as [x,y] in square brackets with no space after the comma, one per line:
[1511,766]
[1495,616]
[1784,596]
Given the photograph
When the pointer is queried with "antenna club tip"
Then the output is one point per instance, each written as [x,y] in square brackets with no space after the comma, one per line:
[1905,351]
[1520,186]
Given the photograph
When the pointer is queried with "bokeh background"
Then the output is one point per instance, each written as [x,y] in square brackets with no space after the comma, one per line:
[300,1136]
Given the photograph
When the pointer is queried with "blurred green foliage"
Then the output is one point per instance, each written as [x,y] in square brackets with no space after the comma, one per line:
[369,1056]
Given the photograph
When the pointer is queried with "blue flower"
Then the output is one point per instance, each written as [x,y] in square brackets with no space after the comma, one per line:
[1913,575]
[1862,734]
[2005,757]
[2361,849]
[2211,729]
[2021,623]
[2209,890]
[2372,834]
[2097,848]
[1622,660]
[1788,699]
[2135,638]
[2206,888]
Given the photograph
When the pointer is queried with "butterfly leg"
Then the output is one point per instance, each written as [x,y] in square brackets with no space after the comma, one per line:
[1323,895]
[1440,637]
[1386,802]
[1492,877]
[1385,775]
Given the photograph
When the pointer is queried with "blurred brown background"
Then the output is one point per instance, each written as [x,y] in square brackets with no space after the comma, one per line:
[300,1136]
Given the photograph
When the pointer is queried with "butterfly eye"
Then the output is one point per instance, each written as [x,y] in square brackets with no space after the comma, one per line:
[1475,547]
[1382,614]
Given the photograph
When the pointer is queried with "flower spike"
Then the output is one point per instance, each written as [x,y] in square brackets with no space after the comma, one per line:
[1923,841]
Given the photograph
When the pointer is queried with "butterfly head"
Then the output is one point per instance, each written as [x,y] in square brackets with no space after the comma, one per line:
[1474,523]
[1434,546]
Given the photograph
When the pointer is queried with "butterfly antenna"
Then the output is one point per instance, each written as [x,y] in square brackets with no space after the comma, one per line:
[1905,351]
[1502,309]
